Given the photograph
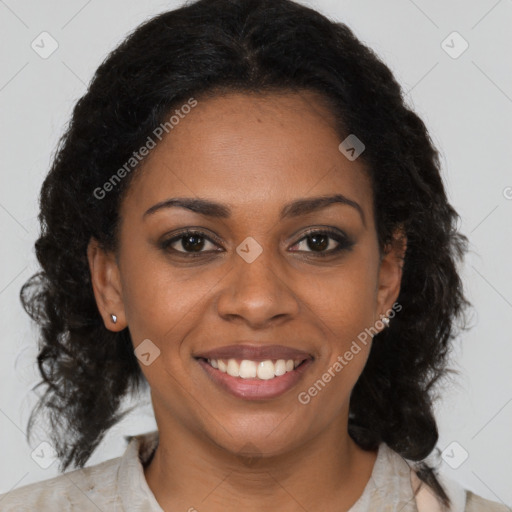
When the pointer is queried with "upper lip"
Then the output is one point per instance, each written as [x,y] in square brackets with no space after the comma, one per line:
[254,352]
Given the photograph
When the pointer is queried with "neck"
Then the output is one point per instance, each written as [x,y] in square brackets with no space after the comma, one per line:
[328,472]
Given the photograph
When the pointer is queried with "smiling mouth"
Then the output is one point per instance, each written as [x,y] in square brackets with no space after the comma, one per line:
[255,380]
[248,369]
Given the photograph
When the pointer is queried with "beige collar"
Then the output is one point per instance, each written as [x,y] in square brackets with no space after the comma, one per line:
[426,500]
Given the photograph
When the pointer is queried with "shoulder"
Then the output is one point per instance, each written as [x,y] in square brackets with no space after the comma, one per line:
[461,499]
[475,503]
[90,488]
[115,484]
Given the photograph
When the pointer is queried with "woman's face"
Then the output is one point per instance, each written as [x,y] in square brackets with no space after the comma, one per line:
[252,277]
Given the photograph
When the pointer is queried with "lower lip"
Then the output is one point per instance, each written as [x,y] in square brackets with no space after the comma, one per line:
[255,389]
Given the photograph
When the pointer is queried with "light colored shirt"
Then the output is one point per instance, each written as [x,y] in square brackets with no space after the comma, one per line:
[119,485]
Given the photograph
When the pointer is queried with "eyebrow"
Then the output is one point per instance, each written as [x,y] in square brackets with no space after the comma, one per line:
[294,209]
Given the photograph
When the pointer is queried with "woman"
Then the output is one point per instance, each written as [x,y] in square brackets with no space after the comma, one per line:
[245,216]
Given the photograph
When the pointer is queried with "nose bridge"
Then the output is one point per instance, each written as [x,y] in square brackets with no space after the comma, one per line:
[254,268]
[255,290]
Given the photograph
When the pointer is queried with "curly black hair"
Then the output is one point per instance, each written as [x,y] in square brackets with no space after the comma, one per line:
[211,47]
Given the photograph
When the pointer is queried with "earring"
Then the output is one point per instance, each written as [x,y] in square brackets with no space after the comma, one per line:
[114,318]
[385,321]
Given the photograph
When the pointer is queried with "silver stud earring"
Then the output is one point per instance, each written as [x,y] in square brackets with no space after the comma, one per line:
[114,318]
[385,320]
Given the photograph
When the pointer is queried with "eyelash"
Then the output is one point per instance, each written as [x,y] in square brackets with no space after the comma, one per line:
[344,242]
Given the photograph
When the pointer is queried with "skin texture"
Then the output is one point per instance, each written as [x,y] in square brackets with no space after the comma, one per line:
[253,153]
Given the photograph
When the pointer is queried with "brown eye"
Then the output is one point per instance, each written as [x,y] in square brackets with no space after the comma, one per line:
[189,242]
[192,243]
[318,242]
[324,242]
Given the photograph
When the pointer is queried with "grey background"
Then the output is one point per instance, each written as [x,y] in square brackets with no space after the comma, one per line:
[466,103]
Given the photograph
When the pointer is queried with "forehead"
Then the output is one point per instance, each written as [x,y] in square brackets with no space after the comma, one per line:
[252,149]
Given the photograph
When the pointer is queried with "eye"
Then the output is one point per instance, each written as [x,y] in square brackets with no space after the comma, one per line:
[324,242]
[188,242]
[320,242]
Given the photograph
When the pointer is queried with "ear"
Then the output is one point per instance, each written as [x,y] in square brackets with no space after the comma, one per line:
[390,273]
[106,283]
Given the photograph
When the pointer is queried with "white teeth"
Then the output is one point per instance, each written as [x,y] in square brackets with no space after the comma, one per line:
[280,367]
[247,369]
[264,370]
[233,368]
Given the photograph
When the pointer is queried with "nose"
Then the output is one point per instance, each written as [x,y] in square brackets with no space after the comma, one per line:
[257,293]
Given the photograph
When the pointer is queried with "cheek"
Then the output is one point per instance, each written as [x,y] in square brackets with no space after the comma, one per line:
[165,305]
[155,295]
[344,313]
[346,299]
[343,305]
